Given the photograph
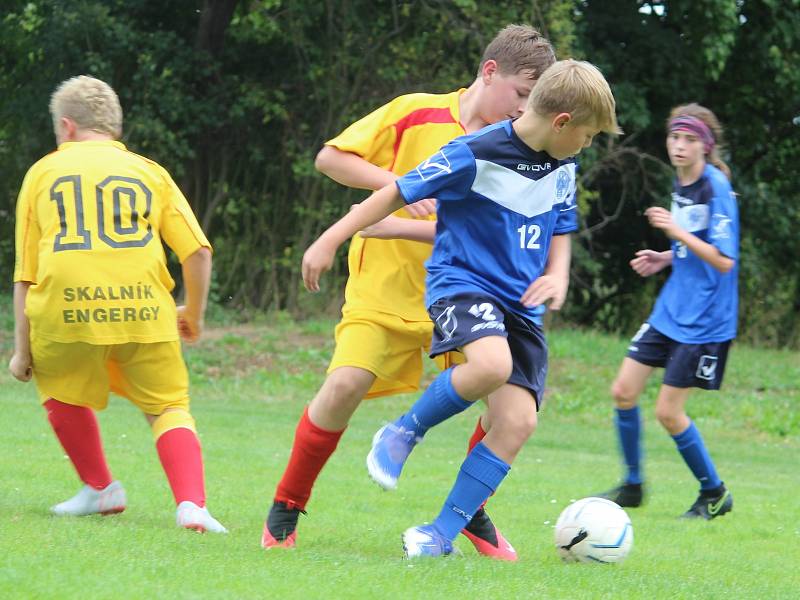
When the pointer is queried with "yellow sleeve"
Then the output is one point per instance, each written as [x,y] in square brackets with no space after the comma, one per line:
[26,262]
[373,136]
[179,227]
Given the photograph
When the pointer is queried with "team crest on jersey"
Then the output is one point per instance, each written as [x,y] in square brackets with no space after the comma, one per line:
[436,165]
[562,186]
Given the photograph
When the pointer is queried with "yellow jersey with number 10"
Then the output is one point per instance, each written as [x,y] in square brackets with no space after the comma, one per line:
[90,221]
[389,275]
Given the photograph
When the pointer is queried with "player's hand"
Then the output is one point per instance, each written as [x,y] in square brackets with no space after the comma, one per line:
[661,218]
[649,262]
[190,325]
[546,287]
[385,229]
[422,208]
[316,260]
[21,367]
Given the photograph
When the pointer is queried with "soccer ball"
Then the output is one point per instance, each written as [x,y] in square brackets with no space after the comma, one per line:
[594,530]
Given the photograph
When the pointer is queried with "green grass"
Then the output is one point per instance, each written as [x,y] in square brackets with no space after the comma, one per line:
[250,383]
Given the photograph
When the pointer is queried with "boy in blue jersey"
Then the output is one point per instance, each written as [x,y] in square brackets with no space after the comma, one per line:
[505,207]
[694,318]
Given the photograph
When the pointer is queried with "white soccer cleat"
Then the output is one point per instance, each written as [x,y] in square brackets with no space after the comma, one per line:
[191,516]
[89,501]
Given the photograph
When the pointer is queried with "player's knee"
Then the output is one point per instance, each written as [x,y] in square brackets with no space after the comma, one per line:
[493,371]
[624,396]
[172,418]
[340,391]
[517,428]
[668,418]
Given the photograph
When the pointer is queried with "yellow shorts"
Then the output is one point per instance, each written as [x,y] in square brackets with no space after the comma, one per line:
[152,376]
[389,347]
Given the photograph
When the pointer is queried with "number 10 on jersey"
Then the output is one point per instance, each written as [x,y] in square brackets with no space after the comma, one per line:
[120,217]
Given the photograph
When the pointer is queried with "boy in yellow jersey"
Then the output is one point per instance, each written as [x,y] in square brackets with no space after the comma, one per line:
[385,328]
[92,299]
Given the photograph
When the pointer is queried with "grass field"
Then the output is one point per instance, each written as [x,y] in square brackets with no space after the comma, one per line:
[250,383]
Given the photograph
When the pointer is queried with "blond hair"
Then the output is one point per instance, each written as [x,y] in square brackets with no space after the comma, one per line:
[578,88]
[709,118]
[517,49]
[91,103]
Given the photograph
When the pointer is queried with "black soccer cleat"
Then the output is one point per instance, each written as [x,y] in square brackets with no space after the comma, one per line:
[627,495]
[280,528]
[711,504]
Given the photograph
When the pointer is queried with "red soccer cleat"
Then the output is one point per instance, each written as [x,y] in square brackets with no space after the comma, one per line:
[268,540]
[487,539]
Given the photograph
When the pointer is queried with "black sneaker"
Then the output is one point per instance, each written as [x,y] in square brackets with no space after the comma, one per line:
[626,495]
[281,525]
[711,504]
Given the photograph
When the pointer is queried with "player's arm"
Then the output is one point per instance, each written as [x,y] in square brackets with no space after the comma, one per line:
[21,361]
[661,218]
[648,262]
[351,170]
[196,270]
[553,283]
[395,228]
[319,256]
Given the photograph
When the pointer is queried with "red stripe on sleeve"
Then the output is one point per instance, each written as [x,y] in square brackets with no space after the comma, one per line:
[419,117]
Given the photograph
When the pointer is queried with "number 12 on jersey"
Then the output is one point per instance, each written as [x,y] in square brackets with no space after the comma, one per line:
[529,236]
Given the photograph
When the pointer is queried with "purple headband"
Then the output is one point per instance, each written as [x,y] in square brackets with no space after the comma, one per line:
[695,126]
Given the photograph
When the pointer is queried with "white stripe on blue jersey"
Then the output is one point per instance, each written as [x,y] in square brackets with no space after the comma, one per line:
[499,204]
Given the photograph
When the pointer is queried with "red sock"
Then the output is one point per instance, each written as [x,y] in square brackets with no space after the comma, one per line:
[182,460]
[477,436]
[311,450]
[76,428]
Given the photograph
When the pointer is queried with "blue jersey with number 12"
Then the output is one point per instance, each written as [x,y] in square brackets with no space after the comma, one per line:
[499,204]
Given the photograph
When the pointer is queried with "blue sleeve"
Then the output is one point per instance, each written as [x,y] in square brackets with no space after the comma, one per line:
[567,217]
[724,225]
[446,176]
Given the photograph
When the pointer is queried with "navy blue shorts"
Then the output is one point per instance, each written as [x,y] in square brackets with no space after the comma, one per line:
[464,318]
[685,365]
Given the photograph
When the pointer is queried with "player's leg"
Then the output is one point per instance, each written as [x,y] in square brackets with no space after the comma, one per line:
[154,377]
[703,366]
[480,474]
[648,349]
[72,384]
[376,355]
[316,437]
[488,366]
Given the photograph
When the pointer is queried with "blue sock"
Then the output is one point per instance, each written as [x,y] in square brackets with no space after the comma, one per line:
[480,474]
[629,429]
[690,445]
[437,403]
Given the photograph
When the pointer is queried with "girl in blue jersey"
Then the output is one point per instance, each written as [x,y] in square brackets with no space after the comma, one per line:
[694,318]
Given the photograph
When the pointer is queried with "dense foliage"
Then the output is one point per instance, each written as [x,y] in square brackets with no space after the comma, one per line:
[235,98]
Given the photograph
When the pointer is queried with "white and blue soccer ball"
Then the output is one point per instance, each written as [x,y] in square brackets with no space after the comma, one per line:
[594,530]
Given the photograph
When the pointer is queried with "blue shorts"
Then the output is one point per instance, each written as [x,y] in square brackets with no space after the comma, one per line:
[464,318]
[685,365]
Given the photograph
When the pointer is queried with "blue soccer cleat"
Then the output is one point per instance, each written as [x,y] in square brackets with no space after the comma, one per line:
[425,540]
[391,446]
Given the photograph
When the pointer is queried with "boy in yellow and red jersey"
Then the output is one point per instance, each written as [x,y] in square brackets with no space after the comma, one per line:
[385,327]
[92,299]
